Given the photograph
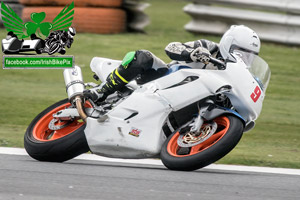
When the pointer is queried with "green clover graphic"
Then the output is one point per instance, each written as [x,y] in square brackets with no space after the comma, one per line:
[31,27]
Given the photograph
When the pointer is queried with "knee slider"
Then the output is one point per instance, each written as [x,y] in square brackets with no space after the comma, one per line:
[128,59]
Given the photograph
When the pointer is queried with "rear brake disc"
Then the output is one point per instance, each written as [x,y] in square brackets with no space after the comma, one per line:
[54,127]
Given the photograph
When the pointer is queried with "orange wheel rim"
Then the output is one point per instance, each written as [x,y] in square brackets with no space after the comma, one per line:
[41,131]
[223,126]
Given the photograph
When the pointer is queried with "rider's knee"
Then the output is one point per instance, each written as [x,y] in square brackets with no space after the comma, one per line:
[139,62]
[139,59]
[135,63]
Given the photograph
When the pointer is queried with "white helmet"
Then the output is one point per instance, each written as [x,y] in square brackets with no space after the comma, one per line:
[239,37]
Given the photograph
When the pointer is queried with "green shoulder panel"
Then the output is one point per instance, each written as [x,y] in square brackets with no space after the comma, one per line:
[128,58]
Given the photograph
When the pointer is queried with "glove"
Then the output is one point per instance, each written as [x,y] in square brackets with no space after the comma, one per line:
[95,94]
[200,54]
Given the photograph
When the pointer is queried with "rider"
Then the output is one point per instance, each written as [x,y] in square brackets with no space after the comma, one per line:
[65,38]
[147,66]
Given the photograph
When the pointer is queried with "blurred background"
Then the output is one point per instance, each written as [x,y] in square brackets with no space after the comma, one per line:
[111,28]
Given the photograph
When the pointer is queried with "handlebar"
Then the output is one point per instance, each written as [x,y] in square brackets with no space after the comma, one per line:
[220,64]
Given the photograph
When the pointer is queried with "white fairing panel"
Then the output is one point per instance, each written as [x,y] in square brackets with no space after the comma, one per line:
[246,96]
[184,94]
[132,130]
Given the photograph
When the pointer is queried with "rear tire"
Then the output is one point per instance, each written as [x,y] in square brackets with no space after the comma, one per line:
[229,132]
[55,146]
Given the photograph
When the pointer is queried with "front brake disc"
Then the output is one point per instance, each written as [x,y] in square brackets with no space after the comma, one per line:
[192,139]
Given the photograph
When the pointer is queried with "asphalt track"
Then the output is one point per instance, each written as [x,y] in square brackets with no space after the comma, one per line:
[88,178]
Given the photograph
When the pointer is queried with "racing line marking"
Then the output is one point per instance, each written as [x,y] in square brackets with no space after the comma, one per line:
[92,157]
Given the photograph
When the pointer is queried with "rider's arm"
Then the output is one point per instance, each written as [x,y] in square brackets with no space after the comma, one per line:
[181,51]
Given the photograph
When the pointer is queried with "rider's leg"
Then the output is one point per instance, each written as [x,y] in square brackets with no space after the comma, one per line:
[137,63]
[143,64]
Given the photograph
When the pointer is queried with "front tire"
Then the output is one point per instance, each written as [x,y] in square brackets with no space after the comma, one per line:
[44,144]
[228,134]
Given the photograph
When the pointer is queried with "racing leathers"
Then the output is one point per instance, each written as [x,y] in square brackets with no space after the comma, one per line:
[144,66]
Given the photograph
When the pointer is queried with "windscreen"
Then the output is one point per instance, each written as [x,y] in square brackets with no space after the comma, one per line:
[257,66]
[260,71]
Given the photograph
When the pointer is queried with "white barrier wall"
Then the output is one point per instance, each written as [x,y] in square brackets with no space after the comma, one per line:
[137,20]
[273,20]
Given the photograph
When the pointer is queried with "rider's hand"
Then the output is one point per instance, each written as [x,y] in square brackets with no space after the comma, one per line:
[200,54]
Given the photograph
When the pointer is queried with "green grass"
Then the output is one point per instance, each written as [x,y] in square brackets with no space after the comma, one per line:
[275,141]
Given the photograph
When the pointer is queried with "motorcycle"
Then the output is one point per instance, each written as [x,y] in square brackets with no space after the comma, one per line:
[188,118]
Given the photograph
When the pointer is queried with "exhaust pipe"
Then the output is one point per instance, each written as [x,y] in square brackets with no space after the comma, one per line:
[74,82]
[74,87]
[80,109]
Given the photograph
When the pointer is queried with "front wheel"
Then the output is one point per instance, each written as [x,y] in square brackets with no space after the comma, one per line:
[57,142]
[187,152]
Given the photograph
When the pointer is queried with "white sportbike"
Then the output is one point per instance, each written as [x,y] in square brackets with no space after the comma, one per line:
[188,118]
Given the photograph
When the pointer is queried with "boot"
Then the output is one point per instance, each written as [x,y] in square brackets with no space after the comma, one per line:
[113,83]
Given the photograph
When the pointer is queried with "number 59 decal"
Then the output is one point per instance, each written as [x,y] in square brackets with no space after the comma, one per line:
[256,94]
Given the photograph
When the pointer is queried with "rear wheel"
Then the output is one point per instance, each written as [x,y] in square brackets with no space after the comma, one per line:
[185,151]
[49,139]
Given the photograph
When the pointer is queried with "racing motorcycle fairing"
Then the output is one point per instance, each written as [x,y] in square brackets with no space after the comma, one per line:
[149,105]
[133,128]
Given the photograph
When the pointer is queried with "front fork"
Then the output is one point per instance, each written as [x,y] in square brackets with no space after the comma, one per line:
[198,122]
